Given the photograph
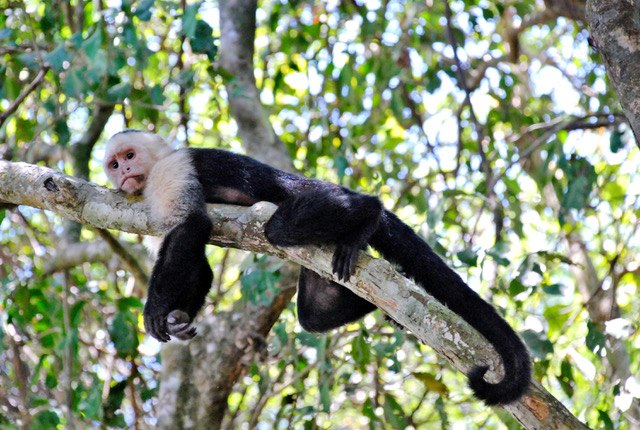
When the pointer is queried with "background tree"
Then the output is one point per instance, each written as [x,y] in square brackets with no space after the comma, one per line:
[490,127]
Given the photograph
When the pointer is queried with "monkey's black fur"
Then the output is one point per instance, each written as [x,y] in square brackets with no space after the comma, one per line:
[316,212]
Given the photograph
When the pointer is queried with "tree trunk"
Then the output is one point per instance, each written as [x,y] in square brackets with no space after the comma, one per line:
[615,33]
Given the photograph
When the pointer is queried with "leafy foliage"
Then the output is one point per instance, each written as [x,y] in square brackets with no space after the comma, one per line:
[532,203]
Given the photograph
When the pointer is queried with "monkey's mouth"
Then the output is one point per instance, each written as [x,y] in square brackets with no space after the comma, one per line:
[137,178]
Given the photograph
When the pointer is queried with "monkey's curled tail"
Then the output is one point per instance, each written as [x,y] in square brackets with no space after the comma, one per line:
[399,244]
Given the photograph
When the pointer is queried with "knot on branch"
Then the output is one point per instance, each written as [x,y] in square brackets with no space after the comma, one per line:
[50,185]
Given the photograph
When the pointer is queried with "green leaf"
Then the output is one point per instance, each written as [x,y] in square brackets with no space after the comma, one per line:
[57,58]
[48,21]
[124,334]
[581,179]
[433,242]
[368,410]
[468,257]
[45,420]
[11,89]
[393,413]
[130,36]
[92,44]
[397,104]
[127,304]
[604,418]
[442,413]
[341,164]
[432,383]
[189,20]
[596,340]
[325,396]
[51,380]
[499,252]
[435,214]
[615,141]
[553,289]
[90,405]
[143,10]
[361,352]
[487,13]
[118,92]
[613,191]
[157,97]
[75,41]
[73,83]
[433,83]
[62,130]
[557,316]
[566,378]
[259,285]
[308,339]
[538,344]
[98,68]
[516,287]
[28,60]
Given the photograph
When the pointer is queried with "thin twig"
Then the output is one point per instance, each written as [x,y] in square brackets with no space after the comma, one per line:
[24,94]
[128,260]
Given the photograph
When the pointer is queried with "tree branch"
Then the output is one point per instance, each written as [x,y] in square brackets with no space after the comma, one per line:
[240,227]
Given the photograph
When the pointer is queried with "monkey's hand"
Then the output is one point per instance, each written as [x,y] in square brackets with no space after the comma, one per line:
[179,325]
[344,261]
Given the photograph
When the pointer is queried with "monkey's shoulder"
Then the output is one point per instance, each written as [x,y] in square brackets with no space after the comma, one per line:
[168,185]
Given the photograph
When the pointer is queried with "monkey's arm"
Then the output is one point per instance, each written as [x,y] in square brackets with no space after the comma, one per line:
[181,276]
[180,280]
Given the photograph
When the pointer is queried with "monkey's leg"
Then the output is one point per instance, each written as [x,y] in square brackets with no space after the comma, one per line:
[329,214]
[324,304]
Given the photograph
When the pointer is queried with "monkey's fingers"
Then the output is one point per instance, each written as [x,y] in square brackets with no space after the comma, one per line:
[179,325]
[336,262]
[156,328]
[344,270]
[344,261]
[187,333]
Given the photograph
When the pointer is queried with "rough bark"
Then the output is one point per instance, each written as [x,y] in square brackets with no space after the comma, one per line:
[194,396]
[239,227]
[614,26]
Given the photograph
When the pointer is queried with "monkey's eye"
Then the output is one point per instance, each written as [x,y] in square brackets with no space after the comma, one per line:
[114,165]
[130,155]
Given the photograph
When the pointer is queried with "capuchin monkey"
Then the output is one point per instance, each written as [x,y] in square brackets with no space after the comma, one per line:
[177,184]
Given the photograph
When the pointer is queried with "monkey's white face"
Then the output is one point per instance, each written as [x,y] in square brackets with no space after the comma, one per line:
[127,165]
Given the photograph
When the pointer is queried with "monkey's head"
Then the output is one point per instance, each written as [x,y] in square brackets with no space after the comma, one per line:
[129,157]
